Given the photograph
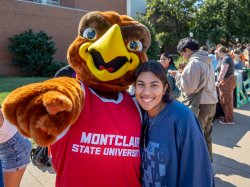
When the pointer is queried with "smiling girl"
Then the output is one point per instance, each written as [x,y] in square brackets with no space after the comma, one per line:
[174,152]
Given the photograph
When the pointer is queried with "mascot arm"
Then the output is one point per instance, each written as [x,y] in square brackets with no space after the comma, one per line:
[43,110]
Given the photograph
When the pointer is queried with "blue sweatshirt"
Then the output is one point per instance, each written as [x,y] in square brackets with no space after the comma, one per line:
[1,175]
[176,154]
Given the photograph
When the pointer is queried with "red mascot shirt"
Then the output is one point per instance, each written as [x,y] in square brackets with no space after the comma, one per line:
[101,149]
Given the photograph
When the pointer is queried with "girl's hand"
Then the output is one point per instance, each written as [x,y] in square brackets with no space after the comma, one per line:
[217,84]
[172,73]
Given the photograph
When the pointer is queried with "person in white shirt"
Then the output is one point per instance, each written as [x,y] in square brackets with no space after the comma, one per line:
[14,153]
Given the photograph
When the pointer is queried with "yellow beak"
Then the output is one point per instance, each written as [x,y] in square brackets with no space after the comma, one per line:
[113,56]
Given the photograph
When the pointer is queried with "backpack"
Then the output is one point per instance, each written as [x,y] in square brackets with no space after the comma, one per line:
[39,156]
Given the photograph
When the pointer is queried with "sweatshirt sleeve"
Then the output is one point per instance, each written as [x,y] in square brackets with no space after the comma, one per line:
[195,167]
[189,80]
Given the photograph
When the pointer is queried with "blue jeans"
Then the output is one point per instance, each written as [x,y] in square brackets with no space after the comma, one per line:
[15,153]
[1,175]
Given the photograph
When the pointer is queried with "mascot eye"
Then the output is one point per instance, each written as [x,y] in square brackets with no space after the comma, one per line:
[135,45]
[89,34]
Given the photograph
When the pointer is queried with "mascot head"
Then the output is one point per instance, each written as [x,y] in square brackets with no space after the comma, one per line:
[108,49]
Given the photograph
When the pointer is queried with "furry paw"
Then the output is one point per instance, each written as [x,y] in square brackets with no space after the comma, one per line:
[42,111]
[56,102]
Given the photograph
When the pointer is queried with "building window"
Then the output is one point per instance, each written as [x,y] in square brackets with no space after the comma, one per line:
[46,2]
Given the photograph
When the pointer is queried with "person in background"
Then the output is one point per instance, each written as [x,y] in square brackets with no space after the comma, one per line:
[216,55]
[247,55]
[197,84]
[213,57]
[168,63]
[226,82]
[66,71]
[182,65]
[174,151]
[203,48]
[219,111]
[238,64]
[240,48]
[14,154]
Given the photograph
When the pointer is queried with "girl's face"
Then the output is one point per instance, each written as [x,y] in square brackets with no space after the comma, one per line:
[165,61]
[149,91]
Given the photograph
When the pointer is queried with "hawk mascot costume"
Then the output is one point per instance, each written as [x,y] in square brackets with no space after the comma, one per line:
[91,122]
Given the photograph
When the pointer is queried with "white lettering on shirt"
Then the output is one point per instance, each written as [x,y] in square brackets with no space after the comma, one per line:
[108,145]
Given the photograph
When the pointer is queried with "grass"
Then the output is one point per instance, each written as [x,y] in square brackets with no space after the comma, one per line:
[8,84]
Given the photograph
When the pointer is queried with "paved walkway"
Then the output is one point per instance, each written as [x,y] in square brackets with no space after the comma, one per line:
[231,151]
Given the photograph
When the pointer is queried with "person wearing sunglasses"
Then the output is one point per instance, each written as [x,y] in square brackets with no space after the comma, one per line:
[197,85]
[173,149]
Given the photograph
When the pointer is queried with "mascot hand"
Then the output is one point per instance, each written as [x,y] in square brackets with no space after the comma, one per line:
[56,102]
[43,110]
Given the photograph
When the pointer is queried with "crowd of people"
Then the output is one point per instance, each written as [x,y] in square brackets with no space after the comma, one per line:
[208,81]
[178,107]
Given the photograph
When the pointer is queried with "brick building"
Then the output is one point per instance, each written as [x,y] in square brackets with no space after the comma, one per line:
[58,18]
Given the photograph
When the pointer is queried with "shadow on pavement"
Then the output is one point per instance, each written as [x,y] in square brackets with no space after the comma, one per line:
[221,183]
[45,168]
[228,166]
[229,135]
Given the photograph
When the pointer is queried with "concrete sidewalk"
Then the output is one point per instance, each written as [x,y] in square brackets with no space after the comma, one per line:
[231,151]
[37,176]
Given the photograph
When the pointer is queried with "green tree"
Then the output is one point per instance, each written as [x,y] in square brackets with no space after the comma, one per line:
[33,52]
[222,19]
[171,19]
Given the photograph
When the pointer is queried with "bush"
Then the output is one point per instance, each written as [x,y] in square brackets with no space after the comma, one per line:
[33,52]
[51,70]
